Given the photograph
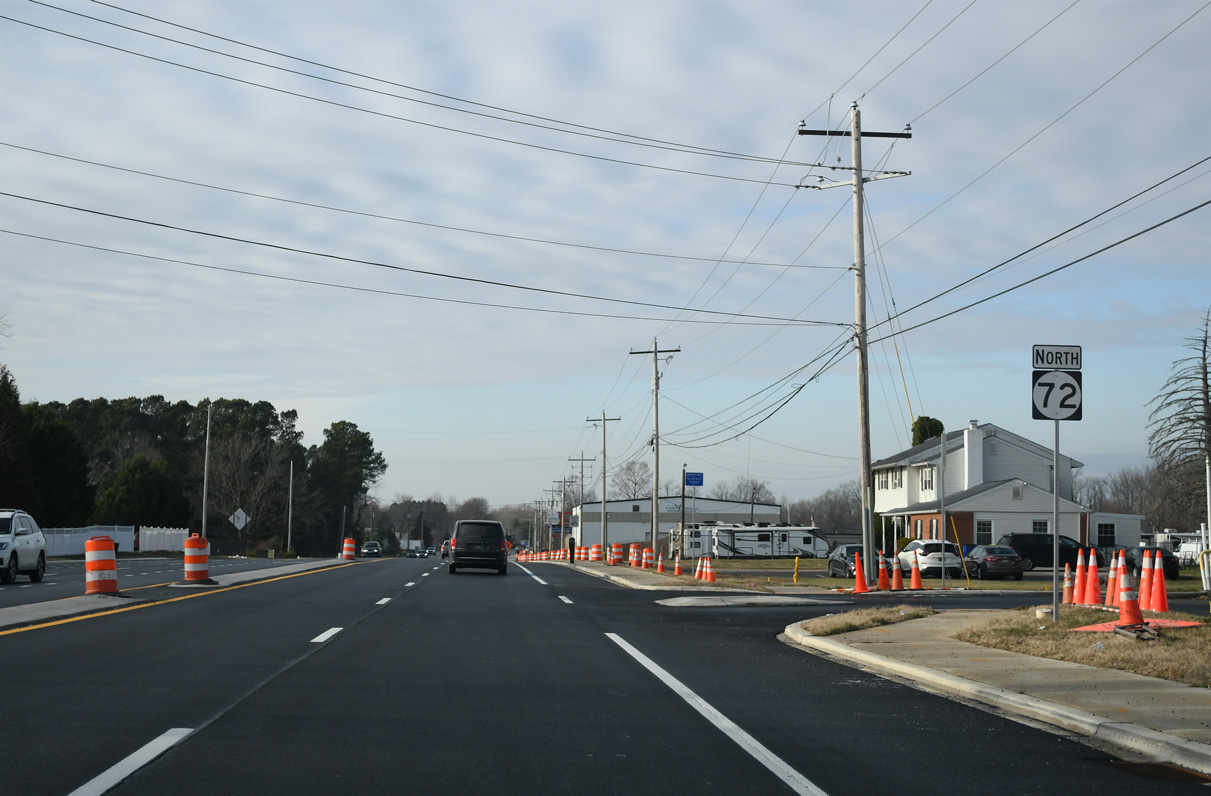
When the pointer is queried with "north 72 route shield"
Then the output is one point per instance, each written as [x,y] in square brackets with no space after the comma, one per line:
[1057,395]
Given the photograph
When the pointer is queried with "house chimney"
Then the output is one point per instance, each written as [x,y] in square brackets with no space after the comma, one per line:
[973,455]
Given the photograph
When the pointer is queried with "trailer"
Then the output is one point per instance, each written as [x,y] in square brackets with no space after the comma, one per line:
[752,541]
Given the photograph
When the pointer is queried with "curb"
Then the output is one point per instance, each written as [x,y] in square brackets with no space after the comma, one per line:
[1141,740]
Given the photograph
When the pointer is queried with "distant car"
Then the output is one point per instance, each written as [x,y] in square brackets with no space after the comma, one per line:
[372,550]
[411,553]
[841,560]
[1035,549]
[431,551]
[479,543]
[422,553]
[446,548]
[931,559]
[22,547]
[990,561]
[1134,557]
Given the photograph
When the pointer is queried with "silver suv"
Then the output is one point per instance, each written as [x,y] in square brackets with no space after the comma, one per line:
[22,547]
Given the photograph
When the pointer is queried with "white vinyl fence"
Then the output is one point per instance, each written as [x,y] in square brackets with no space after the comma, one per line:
[151,539]
[70,541]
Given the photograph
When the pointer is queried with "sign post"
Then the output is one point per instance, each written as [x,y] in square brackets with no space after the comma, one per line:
[1057,395]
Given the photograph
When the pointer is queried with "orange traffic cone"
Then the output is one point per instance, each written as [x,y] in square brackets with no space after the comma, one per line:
[1078,590]
[914,582]
[677,564]
[660,563]
[884,581]
[708,574]
[1067,585]
[1146,573]
[897,577]
[698,569]
[1093,590]
[1129,606]
[1160,595]
[860,586]
[1112,580]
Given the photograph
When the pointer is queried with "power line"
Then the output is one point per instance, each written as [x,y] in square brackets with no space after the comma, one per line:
[394,117]
[387,266]
[397,219]
[377,291]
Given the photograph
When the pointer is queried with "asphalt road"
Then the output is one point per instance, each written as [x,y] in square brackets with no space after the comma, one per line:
[394,676]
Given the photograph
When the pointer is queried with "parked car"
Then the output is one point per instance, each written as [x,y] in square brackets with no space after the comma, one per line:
[372,550]
[479,543]
[931,559]
[1035,549]
[1134,557]
[841,560]
[991,561]
[411,552]
[22,547]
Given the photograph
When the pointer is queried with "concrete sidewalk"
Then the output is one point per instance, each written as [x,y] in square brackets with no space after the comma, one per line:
[1152,718]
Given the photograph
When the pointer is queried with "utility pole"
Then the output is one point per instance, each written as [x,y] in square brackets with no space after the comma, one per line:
[605,551]
[864,479]
[655,352]
[582,460]
[549,513]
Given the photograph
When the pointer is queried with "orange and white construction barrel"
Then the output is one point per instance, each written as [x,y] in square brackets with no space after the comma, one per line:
[197,559]
[100,566]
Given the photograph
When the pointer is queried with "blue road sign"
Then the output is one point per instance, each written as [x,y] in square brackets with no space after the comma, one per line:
[693,479]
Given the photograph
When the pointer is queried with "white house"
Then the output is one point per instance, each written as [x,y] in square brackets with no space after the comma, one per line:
[996,483]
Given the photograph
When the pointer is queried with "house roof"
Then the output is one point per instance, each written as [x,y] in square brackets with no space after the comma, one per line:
[931,449]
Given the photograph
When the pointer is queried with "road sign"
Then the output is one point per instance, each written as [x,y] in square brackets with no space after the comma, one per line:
[1057,395]
[693,479]
[1056,357]
[239,519]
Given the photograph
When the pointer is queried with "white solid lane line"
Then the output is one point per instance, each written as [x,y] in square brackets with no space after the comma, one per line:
[108,779]
[798,783]
[327,634]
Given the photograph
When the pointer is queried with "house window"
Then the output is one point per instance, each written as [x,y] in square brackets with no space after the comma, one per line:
[983,531]
[1105,534]
[635,507]
[882,479]
[918,528]
[933,527]
[1039,526]
[1017,492]
[927,479]
[992,447]
[897,478]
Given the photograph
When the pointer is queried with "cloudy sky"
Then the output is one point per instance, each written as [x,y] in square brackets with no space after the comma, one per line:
[452,223]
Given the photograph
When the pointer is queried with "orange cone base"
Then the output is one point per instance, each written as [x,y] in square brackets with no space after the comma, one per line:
[1108,627]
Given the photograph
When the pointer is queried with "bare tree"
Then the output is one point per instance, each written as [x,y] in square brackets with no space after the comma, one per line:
[632,481]
[249,472]
[1180,427]
[744,489]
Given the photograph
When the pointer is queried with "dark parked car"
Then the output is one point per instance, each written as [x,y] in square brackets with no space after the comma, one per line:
[841,560]
[479,543]
[1134,557]
[990,561]
[1035,549]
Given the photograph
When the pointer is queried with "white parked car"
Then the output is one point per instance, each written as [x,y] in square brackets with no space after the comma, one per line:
[22,547]
[930,558]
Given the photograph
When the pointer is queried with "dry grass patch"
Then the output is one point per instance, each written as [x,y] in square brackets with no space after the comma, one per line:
[1179,654]
[863,618]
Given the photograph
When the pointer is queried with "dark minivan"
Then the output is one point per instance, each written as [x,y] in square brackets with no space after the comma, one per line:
[1035,549]
[479,543]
